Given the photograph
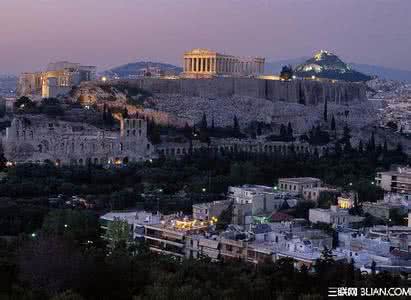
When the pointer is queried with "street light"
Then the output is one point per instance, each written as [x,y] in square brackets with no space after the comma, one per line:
[65,225]
[204,190]
[33,235]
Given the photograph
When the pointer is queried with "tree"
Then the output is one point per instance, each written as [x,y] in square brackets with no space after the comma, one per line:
[283,132]
[236,127]
[373,268]
[204,132]
[188,134]
[118,233]
[333,128]
[399,148]
[110,121]
[371,143]
[225,218]
[301,95]
[287,72]
[153,132]
[290,132]
[51,107]
[53,264]
[68,295]
[125,113]
[24,104]
[360,147]
[104,113]
[73,224]
[385,148]
[326,261]
[326,110]
[203,124]
[346,139]
[259,129]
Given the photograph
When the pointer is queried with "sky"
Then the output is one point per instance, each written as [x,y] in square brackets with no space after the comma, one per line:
[109,33]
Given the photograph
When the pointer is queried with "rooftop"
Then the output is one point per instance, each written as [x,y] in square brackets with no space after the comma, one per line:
[300,179]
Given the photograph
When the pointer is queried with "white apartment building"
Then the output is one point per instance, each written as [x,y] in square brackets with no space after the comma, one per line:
[397,181]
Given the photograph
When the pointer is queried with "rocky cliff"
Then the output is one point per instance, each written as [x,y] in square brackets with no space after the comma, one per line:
[308,92]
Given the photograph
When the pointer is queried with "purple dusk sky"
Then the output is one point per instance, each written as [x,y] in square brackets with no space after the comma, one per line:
[108,33]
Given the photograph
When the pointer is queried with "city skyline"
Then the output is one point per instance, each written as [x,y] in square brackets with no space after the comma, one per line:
[371,32]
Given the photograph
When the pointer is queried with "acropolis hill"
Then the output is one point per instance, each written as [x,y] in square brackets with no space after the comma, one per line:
[309,92]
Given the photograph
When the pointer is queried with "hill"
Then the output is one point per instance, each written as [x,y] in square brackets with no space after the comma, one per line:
[274,67]
[135,69]
[325,64]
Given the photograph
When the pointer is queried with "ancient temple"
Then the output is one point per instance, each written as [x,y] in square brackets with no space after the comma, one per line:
[206,63]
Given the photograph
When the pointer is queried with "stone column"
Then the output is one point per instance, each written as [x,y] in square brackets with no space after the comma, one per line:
[197,64]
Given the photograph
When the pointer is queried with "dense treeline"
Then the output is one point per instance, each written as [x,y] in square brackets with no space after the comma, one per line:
[194,173]
[170,186]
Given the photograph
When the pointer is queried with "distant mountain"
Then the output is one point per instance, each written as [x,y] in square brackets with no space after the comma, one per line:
[8,85]
[383,72]
[325,64]
[139,68]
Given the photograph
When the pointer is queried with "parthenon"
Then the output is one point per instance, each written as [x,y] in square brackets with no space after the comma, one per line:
[207,63]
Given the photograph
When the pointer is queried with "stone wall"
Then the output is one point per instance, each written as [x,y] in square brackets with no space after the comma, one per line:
[310,92]
[36,139]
